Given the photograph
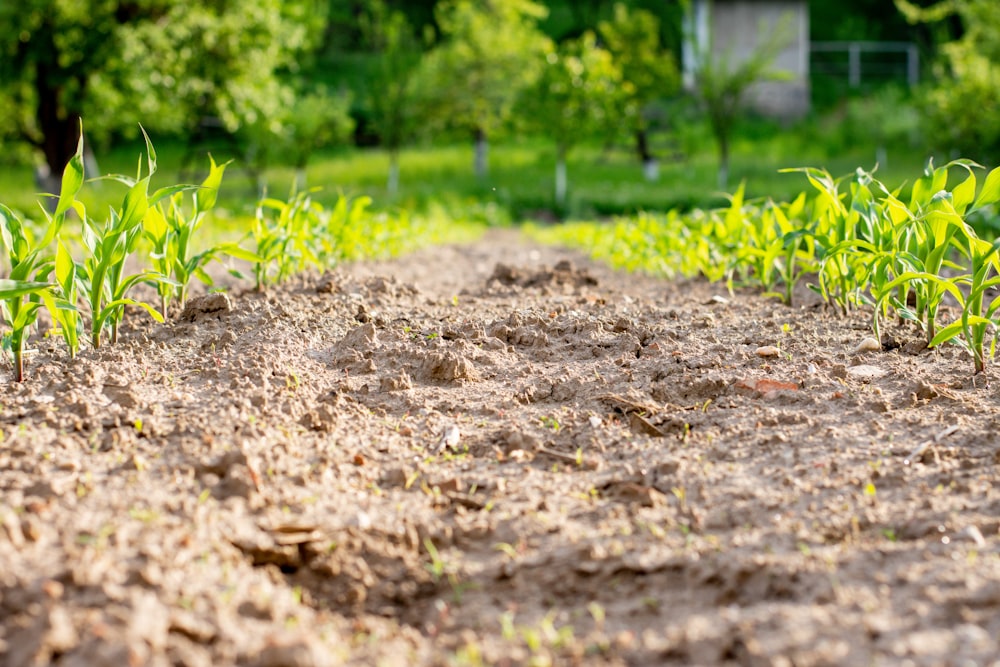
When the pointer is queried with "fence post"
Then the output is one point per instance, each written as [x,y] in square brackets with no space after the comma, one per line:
[912,65]
[854,64]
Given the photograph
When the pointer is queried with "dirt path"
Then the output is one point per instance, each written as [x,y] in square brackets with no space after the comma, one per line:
[499,454]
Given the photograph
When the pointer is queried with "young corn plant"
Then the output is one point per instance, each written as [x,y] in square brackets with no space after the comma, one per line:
[979,317]
[110,244]
[61,303]
[170,231]
[927,240]
[291,236]
[27,289]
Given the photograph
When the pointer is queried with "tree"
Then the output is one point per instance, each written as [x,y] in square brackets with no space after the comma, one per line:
[721,86]
[166,63]
[491,50]
[393,95]
[633,37]
[578,87]
[317,119]
[962,105]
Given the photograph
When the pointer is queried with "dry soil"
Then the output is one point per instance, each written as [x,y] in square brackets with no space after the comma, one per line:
[499,453]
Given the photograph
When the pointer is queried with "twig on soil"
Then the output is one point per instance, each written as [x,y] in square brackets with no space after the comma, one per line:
[587,462]
[918,453]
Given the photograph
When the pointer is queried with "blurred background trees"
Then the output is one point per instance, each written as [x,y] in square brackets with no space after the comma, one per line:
[169,64]
[285,85]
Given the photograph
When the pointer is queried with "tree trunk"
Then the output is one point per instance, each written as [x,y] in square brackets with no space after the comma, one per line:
[482,154]
[723,161]
[650,165]
[642,146]
[60,128]
[392,183]
[561,179]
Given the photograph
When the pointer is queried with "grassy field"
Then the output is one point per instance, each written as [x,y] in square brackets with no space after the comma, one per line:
[602,182]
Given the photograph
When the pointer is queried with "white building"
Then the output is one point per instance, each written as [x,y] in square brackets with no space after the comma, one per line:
[733,29]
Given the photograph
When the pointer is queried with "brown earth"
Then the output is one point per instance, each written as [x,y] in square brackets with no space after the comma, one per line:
[499,454]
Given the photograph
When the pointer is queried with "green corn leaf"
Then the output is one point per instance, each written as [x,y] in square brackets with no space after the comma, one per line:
[205,198]
[119,178]
[236,252]
[155,224]
[65,269]
[14,289]
[134,206]
[949,332]
[169,192]
[964,193]
[990,194]
[150,153]
[72,179]
[152,276]
[111,307]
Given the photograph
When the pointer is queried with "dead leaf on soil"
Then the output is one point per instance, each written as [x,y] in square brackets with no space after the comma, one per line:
[765,385]
[633,492]
[626,404]
[641,426]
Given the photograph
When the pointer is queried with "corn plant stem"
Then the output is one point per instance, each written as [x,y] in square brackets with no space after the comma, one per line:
[18,355]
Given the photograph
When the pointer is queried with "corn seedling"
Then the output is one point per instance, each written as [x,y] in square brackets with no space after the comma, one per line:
[170,229]
[27,288]
[110,243]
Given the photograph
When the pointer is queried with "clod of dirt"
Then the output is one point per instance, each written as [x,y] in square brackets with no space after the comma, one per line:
[447,367]
[200,307]
[563,274]
[292,652]
[398,382]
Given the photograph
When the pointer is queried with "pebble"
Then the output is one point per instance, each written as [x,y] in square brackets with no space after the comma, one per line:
[868,345]
[865,372]
[766,351]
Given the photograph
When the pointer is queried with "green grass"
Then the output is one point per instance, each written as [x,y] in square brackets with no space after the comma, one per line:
[602,183]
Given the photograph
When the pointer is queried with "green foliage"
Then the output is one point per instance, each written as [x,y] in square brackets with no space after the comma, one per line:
[579,90]
[966,79]
[169,62]
[27,287]
[491,50]
[110,243]
[169,230]
[392,94]
[633,38]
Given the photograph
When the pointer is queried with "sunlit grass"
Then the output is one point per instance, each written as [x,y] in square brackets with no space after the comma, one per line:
[520,184]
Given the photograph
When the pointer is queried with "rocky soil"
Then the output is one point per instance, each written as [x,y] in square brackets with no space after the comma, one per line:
[499,454]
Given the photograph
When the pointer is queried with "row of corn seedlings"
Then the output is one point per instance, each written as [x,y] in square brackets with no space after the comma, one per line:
[156,231]
[860,244]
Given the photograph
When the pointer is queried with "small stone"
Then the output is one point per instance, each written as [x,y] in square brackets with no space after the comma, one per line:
[767,351]
[866,373]
[450,438]
[868,345]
